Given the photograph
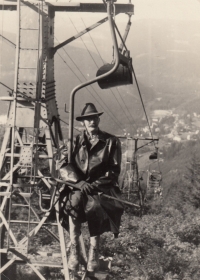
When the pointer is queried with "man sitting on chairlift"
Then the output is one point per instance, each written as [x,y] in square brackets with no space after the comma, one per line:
[97,158]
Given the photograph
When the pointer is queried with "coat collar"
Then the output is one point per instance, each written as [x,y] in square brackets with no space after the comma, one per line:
[101,137]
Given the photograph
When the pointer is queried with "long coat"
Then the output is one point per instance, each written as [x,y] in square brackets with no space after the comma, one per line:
[98,164]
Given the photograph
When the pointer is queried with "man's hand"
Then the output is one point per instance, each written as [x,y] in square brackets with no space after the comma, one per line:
[64,151]
[85,187]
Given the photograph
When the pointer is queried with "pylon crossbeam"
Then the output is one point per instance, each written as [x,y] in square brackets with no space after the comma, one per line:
[73,7]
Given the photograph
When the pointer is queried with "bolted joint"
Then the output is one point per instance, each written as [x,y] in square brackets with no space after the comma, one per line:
[51,52]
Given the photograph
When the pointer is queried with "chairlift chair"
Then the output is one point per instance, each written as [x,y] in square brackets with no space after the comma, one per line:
[154,179]
[132,177]
[121,76]
[131,183]
[131,170]
[154,155]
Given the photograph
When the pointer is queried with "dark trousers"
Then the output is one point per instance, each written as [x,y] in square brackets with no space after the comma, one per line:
[102,214]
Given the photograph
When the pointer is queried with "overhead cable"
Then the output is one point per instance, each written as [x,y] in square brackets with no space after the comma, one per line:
[111,89]
[84,44]
[104,63]
[68,125]
[136,83]
[6,86]
[126,107]
[112,116]
[109,112]
[6,39]
[145,112]
[142,103]
[94,44]
[94,59]
[97,67]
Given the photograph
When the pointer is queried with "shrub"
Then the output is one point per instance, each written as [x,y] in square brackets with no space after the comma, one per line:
[190,234]
[174,262]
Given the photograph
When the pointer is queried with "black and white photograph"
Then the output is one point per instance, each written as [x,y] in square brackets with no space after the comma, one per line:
[99,139]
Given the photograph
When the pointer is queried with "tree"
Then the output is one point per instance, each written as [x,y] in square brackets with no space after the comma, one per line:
[193,176]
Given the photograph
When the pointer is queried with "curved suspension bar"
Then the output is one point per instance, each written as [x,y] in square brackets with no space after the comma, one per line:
[72,186]
[52,198]
[72,96]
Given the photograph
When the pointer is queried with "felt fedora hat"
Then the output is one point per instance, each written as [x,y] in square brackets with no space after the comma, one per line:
[88,110]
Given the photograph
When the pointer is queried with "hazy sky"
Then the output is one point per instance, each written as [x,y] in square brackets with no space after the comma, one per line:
[166,9]
[143,9]
[68,24]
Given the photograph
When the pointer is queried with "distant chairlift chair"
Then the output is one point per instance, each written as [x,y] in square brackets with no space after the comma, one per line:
[154,183]
[131,186]
[154,179]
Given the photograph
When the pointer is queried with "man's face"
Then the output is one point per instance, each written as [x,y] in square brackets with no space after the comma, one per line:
[91,123]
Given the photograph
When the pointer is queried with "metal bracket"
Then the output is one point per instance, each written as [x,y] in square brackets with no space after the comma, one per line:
[66,109]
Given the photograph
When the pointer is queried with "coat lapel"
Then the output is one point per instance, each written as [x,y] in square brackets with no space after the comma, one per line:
[101,137]
[83,154]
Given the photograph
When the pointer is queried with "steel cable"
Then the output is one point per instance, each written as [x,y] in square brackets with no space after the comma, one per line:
[112,115]
[140,95]
[109,112]
[98,66]
[136,85]
[95,61]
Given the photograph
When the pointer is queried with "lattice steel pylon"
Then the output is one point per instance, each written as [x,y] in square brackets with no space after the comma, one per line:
[33,135]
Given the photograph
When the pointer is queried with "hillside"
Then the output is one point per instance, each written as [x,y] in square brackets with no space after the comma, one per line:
[166,62]
[163,244]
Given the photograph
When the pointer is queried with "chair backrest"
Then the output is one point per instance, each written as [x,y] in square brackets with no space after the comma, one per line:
[122,76]
[155,178]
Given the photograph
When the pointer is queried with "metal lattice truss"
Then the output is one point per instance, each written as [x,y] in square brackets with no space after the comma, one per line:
[33,132]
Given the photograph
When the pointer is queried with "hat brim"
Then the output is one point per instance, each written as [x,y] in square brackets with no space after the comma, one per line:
[81,118]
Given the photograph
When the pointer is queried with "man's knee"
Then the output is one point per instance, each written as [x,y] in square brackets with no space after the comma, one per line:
[75,198]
